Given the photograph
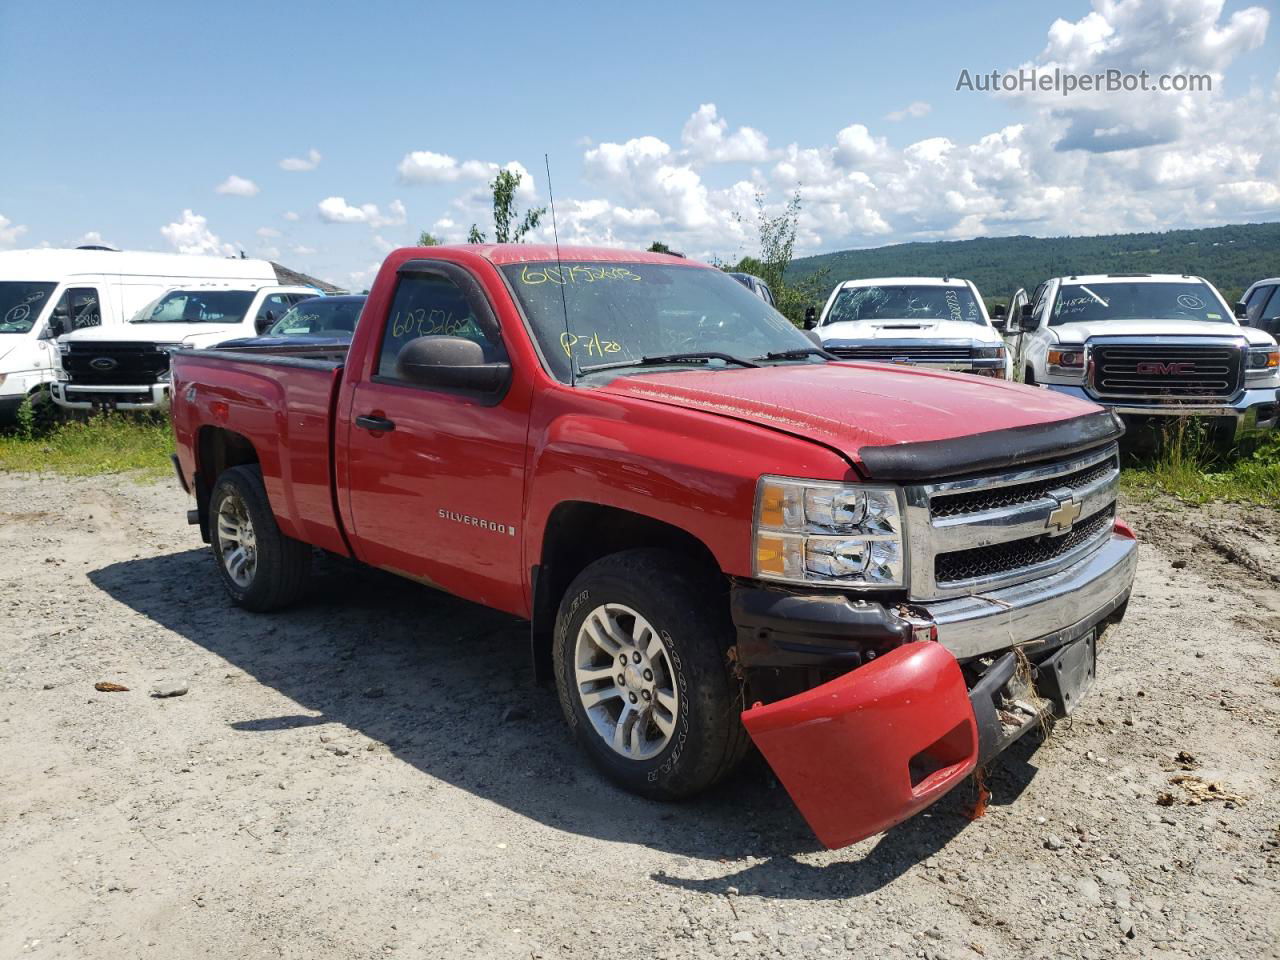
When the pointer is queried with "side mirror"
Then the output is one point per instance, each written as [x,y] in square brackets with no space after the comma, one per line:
[998,311]
[263,324]
[59,322]
[810,317]
[451,362]
[1242,312]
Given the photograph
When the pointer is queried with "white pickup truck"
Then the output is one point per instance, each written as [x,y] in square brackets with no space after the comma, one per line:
[938,322]
[1148,345]
[126,367]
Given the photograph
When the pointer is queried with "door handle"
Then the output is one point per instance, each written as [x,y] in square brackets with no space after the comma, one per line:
[377,424]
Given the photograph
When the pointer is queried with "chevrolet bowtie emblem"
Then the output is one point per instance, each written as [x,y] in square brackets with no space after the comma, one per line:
[1063,516]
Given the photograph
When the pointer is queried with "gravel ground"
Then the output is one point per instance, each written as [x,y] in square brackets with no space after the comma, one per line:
[373,775]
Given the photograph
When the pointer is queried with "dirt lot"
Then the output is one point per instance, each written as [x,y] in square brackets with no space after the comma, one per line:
[373,775]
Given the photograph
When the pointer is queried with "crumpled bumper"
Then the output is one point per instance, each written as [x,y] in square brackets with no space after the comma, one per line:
[873,747]
[903,722]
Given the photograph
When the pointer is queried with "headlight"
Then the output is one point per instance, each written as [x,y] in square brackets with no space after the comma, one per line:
[989,352]
[63,347]
[812,531]
[1263,362]
[1066,362]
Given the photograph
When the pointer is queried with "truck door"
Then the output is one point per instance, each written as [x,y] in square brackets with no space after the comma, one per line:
[435,477]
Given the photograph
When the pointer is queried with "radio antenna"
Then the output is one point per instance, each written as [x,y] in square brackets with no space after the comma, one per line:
[564,304]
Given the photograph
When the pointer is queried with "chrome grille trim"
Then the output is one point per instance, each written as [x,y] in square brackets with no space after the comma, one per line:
[1217,373]
[1087,478]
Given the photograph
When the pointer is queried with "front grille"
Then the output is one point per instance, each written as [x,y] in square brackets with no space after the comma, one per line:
[1167,370]
[134,363]
[1002,558]
[905,353]
[979,501]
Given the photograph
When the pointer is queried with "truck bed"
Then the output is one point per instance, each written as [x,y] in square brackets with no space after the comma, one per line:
[283,405]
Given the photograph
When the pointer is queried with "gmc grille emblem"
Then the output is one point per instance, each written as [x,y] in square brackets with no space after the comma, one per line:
[1158,369]
[103,363]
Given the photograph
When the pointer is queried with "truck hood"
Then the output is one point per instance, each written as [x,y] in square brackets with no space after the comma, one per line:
[191,334]
[854,409]
[1080,332]
[907,330]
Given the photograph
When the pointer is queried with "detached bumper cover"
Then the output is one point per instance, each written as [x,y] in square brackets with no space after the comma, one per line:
[873,747]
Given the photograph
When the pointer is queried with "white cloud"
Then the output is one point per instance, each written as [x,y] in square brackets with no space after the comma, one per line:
[302,164]
[302,250]
[90,238]
[705,135]
[290,216]
[10,231]
[237,187]
[191,234]
[267,232]
[337,210]
[424,166]
[913,110]
[1068,165]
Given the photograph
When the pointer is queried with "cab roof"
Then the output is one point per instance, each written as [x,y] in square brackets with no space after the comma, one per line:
[502,254]
[907,282]
[1132,278]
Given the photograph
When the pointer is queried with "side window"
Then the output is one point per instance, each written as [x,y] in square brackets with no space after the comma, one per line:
[1269,312]
[428,306]
[276,305]
[79,308]
[1254,306]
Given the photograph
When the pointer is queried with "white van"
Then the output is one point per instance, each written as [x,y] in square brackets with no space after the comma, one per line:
[47,293]
[938,322]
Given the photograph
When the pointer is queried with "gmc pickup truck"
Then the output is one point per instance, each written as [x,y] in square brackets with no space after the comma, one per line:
[881,576]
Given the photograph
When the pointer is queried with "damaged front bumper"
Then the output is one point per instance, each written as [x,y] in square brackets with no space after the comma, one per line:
[896,706]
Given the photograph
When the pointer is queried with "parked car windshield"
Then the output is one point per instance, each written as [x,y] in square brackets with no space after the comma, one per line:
[1094,302]
[628,311]
[321,315]
[197,306]
[907,302]
[20,304]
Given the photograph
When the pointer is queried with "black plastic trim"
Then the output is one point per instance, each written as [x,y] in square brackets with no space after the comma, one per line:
[778,629]
[996,449]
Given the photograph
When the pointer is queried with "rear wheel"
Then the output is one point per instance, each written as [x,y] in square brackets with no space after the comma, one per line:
[261,568]
[641,669]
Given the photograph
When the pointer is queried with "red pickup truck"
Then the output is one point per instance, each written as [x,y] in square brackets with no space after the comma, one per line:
[718,533]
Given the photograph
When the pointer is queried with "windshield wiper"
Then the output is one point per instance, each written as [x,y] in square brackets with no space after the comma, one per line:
[665,358]
[797,353]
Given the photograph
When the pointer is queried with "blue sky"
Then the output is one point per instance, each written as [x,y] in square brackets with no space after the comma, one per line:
[123,120]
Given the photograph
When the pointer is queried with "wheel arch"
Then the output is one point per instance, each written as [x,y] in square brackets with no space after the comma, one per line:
[217,449]
[578,533]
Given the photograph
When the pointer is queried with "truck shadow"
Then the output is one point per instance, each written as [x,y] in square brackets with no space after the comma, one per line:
[447,687]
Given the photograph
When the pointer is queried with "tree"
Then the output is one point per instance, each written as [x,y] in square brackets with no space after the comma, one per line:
[505,214]
[659,247]
[426,239]
[777,245]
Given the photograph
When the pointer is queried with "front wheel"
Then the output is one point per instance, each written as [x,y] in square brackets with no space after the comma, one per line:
[641,669]
[261,568]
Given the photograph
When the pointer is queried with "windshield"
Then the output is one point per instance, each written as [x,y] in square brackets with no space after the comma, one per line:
[1093,302]
[318,316]
[928,304]
[197,306]
[20,304]
[618,312]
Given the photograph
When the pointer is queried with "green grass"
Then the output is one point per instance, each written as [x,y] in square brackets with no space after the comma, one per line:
[1187,466]
[105,444]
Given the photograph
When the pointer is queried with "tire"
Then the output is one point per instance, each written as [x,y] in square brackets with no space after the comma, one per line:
[271,570]
[686,707]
